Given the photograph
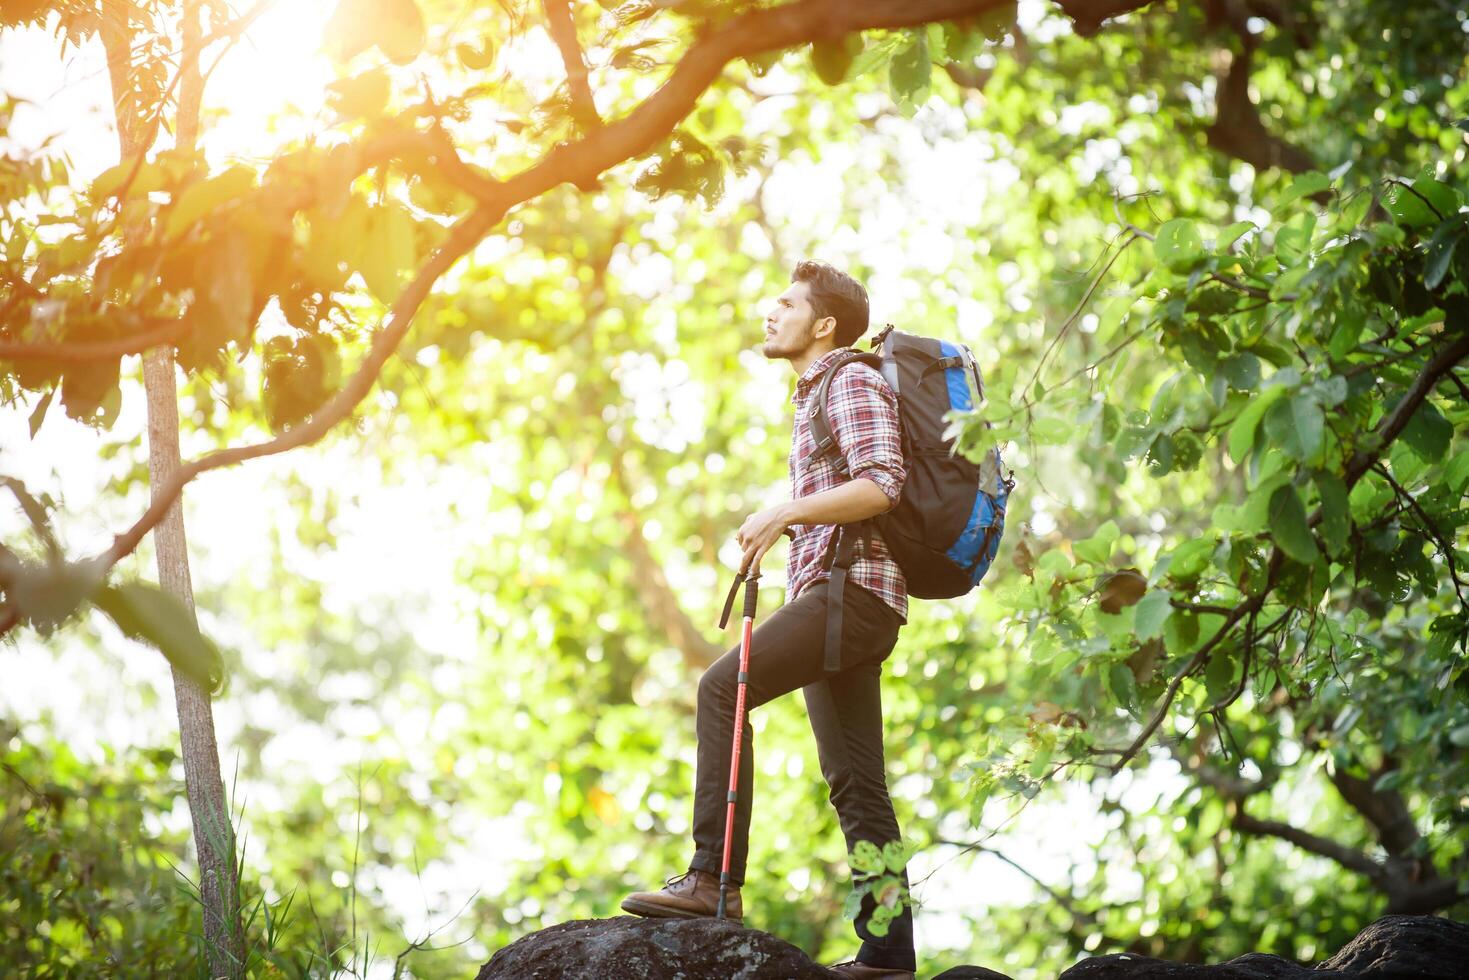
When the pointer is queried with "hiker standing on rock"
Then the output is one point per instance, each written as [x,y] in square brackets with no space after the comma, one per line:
[814,325]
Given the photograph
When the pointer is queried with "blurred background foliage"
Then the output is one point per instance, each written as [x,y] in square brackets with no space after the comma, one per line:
[462,634]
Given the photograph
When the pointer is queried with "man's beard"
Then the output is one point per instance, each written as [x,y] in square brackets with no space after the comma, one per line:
[774,350]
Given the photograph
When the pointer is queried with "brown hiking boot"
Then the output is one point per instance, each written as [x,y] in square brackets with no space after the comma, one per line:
[852,970]
[691,895]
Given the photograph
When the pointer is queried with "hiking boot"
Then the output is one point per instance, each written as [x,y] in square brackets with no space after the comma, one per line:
[852,970]
[691,895]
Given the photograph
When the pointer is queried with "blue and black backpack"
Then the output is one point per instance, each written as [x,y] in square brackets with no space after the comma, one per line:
[946,528]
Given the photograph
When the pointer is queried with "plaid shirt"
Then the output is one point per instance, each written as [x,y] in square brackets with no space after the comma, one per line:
[863,414]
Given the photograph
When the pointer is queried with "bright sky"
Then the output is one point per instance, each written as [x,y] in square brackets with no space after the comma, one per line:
[280,64]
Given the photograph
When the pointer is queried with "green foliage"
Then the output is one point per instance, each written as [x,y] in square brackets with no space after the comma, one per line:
[87,890]
[878,872]
[145,612]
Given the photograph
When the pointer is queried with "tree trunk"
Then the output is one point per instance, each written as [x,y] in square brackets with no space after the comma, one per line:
[214,835]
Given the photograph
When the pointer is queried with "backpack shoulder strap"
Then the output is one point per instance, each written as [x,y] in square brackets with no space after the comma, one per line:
[821,434]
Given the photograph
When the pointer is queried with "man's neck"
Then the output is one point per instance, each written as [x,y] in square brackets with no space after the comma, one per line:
[800,362]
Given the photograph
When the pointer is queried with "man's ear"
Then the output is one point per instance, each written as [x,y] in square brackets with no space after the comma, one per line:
[824,327]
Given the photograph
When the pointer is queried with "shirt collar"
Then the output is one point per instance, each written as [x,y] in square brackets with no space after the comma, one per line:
[818,367]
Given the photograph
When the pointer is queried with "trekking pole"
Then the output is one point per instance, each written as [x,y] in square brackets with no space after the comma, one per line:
[752,592]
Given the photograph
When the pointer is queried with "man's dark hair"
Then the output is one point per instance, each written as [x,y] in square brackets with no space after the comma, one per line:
[834,293]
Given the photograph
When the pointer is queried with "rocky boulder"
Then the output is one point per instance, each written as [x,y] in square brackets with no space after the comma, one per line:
[1396,947]
[631,948]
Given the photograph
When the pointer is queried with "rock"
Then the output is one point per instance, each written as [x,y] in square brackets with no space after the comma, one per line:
[632,948]
[1423,947]
[1251,966]
[1395,947]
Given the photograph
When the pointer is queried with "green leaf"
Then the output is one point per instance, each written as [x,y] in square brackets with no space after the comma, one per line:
[145,612]
[1152,611]
[1191,557]
[1051,431]
[1420,202]
[1178,245]
[1336,516]
[1389,781]
[1242,371]
[87,390]
[1219,679]
[1441,250]
[390,251]
[362,95]
[832,59]
[895,856]
[1242,431]
[938,43]
[1288,525]
[1406,463]
[476,58]
[875,55]
[38,414]
[1123,686]
[1180,633]
[1352,215]
[1329,392]
[1232,234]
[1308,183]
[1428,433]
[113,181]
[1456,472]
[1098,548]
[1446,200]
[400,30]
[1344,337]
[910,71]
[204,197]
[1296,426]
[46,595]
[866,858]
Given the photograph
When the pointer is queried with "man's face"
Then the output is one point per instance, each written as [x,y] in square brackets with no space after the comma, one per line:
[790,324]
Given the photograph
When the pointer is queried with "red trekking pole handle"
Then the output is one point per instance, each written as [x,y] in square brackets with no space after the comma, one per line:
[752,599]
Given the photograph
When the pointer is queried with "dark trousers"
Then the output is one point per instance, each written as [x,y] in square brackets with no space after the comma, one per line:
[846,715]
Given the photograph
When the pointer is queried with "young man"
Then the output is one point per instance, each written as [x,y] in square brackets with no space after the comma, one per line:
[822,313]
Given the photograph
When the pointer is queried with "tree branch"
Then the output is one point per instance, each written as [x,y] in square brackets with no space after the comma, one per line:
[1440,364]
[1088,15]
[563,32]
[1432,530]
[661,602]
[1238,132]
[579,163]
[751,33]
[1387,812]
[1083,921]
[463,237]
[1348,858]
[159,331]
[1391,427]
[1412,884]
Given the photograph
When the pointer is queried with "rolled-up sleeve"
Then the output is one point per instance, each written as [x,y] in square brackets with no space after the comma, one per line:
[863,414]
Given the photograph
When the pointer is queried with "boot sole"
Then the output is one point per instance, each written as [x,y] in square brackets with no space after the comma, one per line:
[652,911]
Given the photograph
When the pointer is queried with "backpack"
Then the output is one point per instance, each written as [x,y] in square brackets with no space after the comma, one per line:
[945,530]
